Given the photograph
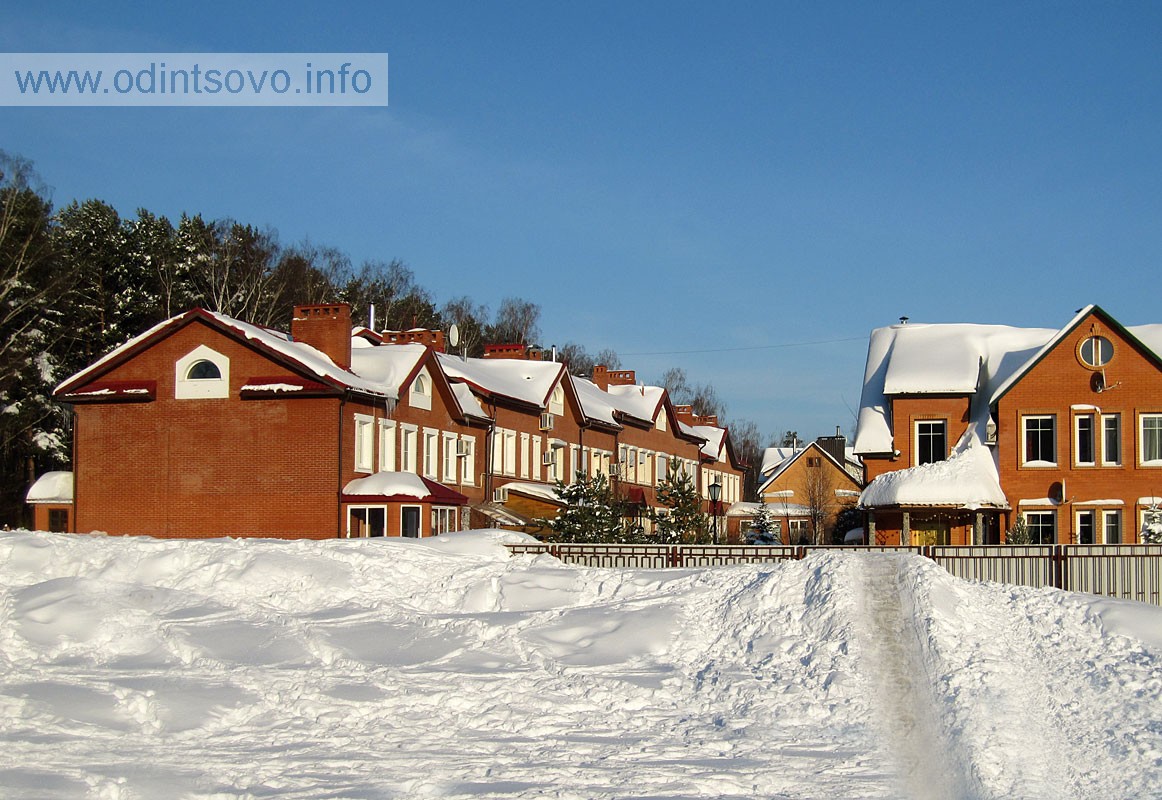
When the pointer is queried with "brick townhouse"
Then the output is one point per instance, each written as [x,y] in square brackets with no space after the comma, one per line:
[206,425]
[966,429]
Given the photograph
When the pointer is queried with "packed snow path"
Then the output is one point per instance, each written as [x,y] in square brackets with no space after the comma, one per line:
[904,702]
[222,670]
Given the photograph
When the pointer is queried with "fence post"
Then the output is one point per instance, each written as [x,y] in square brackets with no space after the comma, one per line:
[1060,568]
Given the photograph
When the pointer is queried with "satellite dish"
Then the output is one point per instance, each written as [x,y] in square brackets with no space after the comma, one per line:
[454,335]
[1098,382]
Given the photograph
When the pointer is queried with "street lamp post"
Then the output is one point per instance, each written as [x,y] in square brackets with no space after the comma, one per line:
[715,493]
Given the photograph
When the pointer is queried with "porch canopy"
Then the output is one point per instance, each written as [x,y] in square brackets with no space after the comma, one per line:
[401,487]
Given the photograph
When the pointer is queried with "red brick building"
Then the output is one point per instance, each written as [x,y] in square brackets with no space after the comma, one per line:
[966,429]
[209,426]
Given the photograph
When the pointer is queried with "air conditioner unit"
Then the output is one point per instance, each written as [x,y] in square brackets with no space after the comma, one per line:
[500,495]
[615,470]
[546,421]
[548,460]
[463,448]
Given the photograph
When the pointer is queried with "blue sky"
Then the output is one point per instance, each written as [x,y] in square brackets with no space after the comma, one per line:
[742,190]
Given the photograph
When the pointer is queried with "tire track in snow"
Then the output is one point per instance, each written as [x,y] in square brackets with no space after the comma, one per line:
[901,685]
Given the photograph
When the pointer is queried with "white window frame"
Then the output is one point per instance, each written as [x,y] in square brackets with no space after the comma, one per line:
[1118,533]
[1051,515]
[449,472]
[943,425]
[1142,419]
[409,442]
[536,470]
[1078,439]
[366,509]
[468,465]
[186,388]
[1115,439]
[420,392]
[525,469]
[444,519]
[364,443]
[557,401]
[386,445]
[1037,462]
[431,453]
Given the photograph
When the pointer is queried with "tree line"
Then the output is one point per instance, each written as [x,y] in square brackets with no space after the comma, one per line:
[79,281]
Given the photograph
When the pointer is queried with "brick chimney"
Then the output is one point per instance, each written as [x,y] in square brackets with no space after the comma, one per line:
[433,339]
[518,352]
[605,377]
[325,328]
[685,413]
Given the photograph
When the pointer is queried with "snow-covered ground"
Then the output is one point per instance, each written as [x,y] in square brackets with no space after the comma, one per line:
[140,668]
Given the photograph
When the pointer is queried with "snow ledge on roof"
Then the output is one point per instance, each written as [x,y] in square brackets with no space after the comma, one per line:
[967,479]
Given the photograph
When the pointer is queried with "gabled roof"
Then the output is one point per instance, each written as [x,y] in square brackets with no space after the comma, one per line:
[528,382]
[279,347]
[786,464]
[981,362]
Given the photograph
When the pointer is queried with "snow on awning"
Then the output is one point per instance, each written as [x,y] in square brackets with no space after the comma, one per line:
[281,385]
[114,391]
[401,486]
[51,487]
[967,479]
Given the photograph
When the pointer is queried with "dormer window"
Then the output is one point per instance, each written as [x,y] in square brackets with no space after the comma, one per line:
[557,401]
[201,374]
[420,395]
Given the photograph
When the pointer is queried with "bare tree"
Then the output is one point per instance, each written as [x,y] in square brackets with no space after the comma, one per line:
[517,322]
[819,490]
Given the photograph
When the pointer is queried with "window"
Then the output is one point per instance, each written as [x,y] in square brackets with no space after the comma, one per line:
[364,443]
[524,455]
[1096,351]
[557,401]
[816,461]
[204,371]
[1085,527]
[1112,523]
[386,445]
[449,468]
[509,453]
[797,528]
[58,520]
[431,452]
[364,521]
[1151,440]
[409,522]
[931,441]
[420,395]
[537,468]
[443,519]
[200,374]
[1042,527]
[1111,439]
[1083,440]
[468,461]
[663,467]
[1040,440]
[407,448]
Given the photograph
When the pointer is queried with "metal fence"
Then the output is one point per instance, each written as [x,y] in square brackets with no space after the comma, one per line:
[1132,572]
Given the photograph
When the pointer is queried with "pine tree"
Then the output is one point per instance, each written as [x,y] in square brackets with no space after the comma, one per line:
[683,519]
[592,511]
[762,527]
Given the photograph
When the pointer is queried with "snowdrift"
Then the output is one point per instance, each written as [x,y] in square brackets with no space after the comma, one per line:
[140,668]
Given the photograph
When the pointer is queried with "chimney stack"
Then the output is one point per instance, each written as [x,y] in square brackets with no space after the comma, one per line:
[326,328]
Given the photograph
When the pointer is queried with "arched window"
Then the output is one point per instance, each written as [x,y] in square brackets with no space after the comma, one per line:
[420,394]
[204,371]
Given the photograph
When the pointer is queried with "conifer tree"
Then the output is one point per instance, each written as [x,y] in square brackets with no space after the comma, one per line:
[683,519]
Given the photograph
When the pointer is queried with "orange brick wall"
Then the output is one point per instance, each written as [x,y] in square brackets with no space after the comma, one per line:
[1058,382]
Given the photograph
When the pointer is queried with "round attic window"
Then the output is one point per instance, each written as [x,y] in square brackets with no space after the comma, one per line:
[1095,351]
[204,371]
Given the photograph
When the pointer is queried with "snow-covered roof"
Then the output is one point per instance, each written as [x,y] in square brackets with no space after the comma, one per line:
[966,479]
[542,491]
[596,405]
[774,457]
[979,361]
[528,382]
[388,366]
[640,402]
[402,484]
[304,356]
[714,439]
[51,487]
